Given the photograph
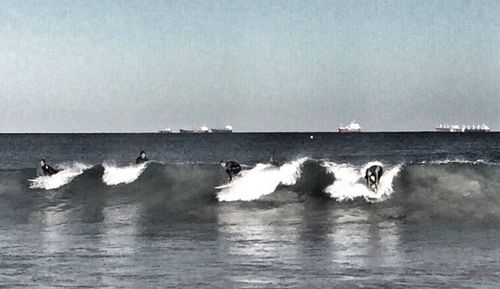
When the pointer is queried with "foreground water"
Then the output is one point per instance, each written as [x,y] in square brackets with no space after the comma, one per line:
[303,221]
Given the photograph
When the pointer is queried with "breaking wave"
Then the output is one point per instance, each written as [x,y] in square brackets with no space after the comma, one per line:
[260,181]
[349,182]
[115,175]
[65,176]
[418,191]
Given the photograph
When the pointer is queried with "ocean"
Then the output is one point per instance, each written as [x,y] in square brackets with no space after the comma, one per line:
[299,215]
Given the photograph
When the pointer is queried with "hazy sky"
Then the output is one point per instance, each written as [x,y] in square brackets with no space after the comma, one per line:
[85,66]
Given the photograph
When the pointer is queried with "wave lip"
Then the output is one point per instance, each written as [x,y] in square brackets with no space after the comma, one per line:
[459,161]
[114,175]
[262,180]
[350,184]
[65,176]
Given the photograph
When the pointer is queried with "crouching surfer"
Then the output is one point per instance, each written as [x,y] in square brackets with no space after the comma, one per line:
[232,168]
[142,158]
[372,176]
[46,170]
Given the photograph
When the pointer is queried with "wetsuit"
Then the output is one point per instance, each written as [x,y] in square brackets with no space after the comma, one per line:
[48,170]
[140,160]
[373,175]
[232,169]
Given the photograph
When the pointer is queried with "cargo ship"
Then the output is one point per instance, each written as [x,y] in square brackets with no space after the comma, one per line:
[166,130]
[465,128]
[203,129]
[184,130]
[227,129]
[476,128]
[352,127]
[448,128]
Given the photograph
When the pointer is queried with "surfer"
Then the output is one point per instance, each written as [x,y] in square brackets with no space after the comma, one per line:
[46,169]
[142,158]
[272,161]
[232,168]
[372,176]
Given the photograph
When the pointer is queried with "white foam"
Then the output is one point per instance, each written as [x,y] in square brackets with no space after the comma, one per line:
[350,183]
[65,176]
[262,180]
[114,175]
[458,161]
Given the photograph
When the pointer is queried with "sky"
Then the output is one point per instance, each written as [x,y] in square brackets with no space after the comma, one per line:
[139,66]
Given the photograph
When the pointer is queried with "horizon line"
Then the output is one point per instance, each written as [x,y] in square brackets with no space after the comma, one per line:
[242,132]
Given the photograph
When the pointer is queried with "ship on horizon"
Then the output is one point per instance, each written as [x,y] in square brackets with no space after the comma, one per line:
[166,130]
[227,129]
[352,127]
[203,129]
[465,128]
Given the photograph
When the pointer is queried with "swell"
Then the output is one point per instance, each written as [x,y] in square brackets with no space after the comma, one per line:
[463,191]
[444,190]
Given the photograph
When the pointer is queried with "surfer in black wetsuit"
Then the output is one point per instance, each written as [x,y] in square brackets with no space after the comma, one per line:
[142,158]
[232,168]
[372,176]
[46,169]
[272,161]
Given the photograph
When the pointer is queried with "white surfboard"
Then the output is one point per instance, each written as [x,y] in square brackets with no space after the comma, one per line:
[223,186]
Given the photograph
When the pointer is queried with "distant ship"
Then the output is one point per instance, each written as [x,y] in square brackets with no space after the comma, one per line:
[465,128]
[167,130]
[203,129]
[448,128]
[476,128]
[352,127]
[186,130]
[227,129]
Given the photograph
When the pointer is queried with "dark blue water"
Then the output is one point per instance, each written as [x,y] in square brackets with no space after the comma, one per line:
[303,221]
[23,151]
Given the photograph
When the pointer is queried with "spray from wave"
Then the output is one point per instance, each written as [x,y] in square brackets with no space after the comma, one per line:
[350,184]
[457,161]
[446,190]
[65,176]
[114,175]
[262,180]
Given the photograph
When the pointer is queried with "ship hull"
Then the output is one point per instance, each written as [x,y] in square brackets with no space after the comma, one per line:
[460,130]
[447,130]
[221,131]
[345,130]
[476,130]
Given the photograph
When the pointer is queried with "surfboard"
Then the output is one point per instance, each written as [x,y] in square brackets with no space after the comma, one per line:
[223,186]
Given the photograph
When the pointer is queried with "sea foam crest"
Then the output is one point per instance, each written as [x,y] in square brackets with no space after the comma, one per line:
[350,183]
[459,161]
[65,176]
[115,175]
[261,180]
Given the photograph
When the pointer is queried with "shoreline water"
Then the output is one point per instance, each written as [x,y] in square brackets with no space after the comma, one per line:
[304,220]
